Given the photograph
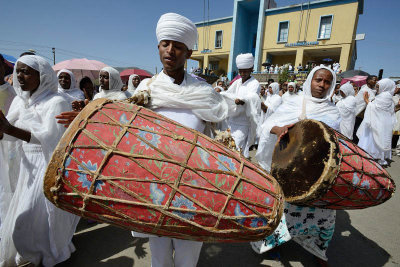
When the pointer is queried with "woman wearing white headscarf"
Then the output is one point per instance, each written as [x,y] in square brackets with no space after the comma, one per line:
[133,83]
[67,85]
[269,106]
[347,107]
[110,85]
[312,228]
[376,129]
[34,229]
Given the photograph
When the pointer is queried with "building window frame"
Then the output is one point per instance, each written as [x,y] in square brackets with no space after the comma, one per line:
[196,44]
[279,31]
[319,28]
[222,38]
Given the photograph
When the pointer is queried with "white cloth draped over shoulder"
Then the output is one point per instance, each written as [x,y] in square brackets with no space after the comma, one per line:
[195,95]
[347,108]
[34,229]
[243,119]
[292,111]
[131,88]
[273,101]
[361,105]
[396,129]
[376,129]
[115,85]
[74,92]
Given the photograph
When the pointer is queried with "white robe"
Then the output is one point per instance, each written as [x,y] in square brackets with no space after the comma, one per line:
[396,129]
[115,85]
[376,129]
[243,119]
[73,92]
[360,98]
[347,109]
[272,102]
[34,229]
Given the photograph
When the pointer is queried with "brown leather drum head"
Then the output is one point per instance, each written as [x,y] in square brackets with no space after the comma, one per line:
[300,158]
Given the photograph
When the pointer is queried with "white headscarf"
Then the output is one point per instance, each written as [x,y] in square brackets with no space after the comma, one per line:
[115,84]
[245,61]
[174,27]
[293,84]
[347,108]
[131,88]
[347,89]
[48,79]
[73,91]
[387,85]
[275,88]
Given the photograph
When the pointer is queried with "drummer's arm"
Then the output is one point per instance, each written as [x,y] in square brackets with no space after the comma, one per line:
[7,128]
[280,131]
[66,118]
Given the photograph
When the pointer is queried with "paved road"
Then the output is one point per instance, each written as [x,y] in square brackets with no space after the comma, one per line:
[369,237]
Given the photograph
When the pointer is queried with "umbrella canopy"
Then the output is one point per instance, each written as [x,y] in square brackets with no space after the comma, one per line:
[81,67]
[143,74]
[9,58]
[358,80]
[352,73]
[10,62]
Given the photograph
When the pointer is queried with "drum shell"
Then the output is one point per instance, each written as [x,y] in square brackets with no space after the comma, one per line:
[128,166]
[349,178]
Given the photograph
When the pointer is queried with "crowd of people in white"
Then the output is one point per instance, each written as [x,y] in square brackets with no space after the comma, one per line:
[34,230]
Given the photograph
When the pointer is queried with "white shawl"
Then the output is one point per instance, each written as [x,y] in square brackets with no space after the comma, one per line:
[195,95]
[115,85]
[74,92]
[360,98]
[347,108]
[379,116]
[273,101]
[131,88]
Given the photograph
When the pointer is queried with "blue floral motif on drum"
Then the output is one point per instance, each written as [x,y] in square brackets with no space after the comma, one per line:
[183,202]
[238,212]
[67,163]
[156,195]
[203,155]
[123,119]
[258,222]
[227,161]
[83,176]
[151,138]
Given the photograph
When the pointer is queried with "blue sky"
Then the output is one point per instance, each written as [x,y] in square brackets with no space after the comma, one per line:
[122,33]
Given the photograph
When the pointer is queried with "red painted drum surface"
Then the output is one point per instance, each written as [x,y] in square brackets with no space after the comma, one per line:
[319,167]
[128,166]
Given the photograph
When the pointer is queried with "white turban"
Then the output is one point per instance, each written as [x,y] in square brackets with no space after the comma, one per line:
[174,27]
[245,61]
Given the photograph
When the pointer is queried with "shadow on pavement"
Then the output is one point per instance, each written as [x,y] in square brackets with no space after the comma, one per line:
[349,247]
[95,245]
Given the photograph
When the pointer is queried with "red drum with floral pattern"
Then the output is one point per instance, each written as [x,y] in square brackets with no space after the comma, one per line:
[317,166]
[131,167]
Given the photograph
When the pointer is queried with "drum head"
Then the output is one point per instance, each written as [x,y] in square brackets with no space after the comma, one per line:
[300,159]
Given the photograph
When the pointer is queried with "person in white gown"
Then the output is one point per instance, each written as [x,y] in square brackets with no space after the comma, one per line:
[110,85]
[244,93]
[269,106]
[347,107]
[34,230]
[376,129]
[67,85]
[133,83]
[312,228]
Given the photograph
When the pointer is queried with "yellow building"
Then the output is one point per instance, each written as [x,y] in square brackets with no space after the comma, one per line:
[297,34]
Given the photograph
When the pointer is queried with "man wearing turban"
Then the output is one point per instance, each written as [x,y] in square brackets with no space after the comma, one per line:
[244,93]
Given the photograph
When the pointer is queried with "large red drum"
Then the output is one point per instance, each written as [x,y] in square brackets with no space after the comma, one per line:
[128,166]
[319,167]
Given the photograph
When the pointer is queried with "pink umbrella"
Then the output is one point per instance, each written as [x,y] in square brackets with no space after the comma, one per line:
[81,67]
[358,80]
[143,74]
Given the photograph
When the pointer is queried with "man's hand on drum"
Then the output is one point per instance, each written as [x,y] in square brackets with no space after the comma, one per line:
[78,105]
[66,118]
[239,102]
[281,131]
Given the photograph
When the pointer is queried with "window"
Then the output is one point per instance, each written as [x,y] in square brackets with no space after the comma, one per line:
[196,44]
[283,31]
[325,27]
[218,39]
